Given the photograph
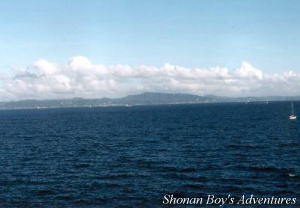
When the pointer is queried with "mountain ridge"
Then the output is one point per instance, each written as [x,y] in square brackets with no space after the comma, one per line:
[147,98]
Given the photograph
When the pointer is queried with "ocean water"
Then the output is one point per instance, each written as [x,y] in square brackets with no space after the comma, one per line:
[133,156]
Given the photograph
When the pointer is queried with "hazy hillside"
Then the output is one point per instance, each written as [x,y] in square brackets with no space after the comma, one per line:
[149,98]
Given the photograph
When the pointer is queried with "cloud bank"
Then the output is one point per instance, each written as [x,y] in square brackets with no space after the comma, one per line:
[81,78]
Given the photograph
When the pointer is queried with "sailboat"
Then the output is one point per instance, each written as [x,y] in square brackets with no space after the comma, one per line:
[292,116]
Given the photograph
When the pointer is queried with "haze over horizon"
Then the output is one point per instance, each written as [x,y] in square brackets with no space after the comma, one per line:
[95,49]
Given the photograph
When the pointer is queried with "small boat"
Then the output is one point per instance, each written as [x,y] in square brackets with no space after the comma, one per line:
[292,116]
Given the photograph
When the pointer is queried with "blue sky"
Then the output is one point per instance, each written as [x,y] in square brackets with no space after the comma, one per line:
[189,33]
[113,48]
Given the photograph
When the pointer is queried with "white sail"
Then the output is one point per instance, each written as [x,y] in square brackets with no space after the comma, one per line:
[292,116]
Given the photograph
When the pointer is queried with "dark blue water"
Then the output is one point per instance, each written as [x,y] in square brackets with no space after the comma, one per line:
[132,157]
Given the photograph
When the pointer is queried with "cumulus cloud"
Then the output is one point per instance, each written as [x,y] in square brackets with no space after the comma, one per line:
[82,78]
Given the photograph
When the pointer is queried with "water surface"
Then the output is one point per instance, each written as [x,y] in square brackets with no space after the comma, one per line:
[132,156]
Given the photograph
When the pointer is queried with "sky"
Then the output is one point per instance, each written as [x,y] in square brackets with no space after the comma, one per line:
[230,47]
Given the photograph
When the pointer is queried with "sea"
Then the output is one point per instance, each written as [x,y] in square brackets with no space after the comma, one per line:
[135,156]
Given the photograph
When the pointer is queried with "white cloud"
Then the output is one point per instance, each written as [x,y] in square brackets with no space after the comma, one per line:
[81,78]
[248,71]
[44,67]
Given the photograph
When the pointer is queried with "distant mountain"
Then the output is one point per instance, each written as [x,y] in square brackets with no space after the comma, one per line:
[149,98]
